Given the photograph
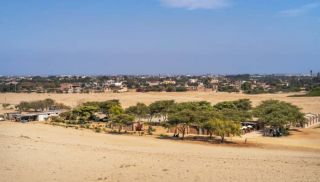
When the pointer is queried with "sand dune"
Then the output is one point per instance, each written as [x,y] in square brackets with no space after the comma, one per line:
[37,152]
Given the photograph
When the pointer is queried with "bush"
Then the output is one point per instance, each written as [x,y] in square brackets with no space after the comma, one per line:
[97,129]
[314,92]
[5,105]
[151,130]
[87,126]
[55,119]
[181,89]
[170,89]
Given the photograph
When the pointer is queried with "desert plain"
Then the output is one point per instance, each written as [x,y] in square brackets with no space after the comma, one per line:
[40,152]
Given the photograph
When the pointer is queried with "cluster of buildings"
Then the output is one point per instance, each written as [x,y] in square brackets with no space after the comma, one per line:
[123,83]
[108,86]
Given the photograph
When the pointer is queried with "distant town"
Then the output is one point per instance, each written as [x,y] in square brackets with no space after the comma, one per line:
[244,83]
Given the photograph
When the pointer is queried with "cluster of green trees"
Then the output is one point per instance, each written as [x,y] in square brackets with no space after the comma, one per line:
[279,115]
[162,88]
[40,105]
[227,88]
[314,92]
[222,119]
[277,83]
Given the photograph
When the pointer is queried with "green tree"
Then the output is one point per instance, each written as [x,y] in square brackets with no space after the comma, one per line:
[241,104]
[48,103]
[182,120]
[160,109]
[107,105]
[23,106]
[68,115]
[85,112]
[314,92]
[121,120]
[184,114]
[195,106]
[115,110]
[222,128]
[246,86]
[279,114]
[140,110]
[238,110]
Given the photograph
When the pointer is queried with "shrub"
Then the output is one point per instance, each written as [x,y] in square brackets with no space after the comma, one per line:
[5,105]
[97,129]
[55,119]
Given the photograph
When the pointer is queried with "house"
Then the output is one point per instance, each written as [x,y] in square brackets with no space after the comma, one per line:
[41,116]
[65,87]
[70,88]
[153,83]
[193,80]
[214,81]
[168,82]
[120,90]
[11,116]
[117,84]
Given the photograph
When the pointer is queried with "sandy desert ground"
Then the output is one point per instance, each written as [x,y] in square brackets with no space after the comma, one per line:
[37,152]
[309,104]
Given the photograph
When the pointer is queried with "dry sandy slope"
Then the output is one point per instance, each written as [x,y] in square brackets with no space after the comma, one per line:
[309,104]
[37,152]
[299,139]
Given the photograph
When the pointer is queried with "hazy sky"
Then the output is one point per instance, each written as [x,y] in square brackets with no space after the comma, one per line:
[159,36]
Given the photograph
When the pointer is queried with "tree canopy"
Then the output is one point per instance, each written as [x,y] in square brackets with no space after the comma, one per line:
[121,120]
[241,104]
[40,105]
[238,110]
[160,108]
[140,110]
[222,128]
[278,114]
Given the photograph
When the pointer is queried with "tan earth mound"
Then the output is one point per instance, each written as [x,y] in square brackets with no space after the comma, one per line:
[36,152]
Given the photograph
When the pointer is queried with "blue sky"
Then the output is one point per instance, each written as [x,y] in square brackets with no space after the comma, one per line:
[41,37]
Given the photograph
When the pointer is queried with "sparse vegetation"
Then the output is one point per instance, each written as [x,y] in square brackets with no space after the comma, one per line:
[5,105]
[279,115]
[315,92]
[40,105]
[222,119]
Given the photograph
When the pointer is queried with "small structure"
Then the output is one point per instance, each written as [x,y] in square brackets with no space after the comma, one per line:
[311,119]
[256,125]
[153,83]
[37,116]
[11,116]
[120,89]
[135,126]
[190,130]
[168,82]
[70,88]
